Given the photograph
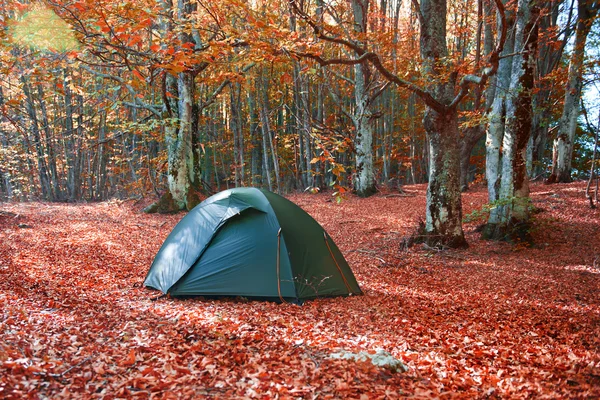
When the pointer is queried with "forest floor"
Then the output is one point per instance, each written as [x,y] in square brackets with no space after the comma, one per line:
[492,321]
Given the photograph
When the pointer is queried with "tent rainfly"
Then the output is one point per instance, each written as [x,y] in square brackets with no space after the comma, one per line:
[253,243]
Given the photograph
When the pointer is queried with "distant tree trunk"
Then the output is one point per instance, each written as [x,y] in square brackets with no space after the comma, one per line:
[509,220]
[563,144]
[255,140]
[5,181]
[496,115]
[238,136]
[35,131]
[266,167]
[364,180]
[472,135]
[56,194]
[69,138]
[267,137]
[78,149]
[101,154]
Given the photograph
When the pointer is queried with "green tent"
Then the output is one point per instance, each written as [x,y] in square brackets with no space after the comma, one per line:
[252,243]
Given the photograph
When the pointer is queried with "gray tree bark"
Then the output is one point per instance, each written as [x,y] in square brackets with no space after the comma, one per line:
[509,218]
[562,154]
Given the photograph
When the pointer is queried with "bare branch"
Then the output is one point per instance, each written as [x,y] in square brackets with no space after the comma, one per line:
[137,101]
[494,61]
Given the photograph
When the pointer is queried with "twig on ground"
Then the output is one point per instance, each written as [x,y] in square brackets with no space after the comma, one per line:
[372,253]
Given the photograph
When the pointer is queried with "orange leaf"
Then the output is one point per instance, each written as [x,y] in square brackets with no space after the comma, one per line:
[138,74]
[130,359]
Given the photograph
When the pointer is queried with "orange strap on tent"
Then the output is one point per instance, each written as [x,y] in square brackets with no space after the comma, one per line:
[278,263]
[336,263]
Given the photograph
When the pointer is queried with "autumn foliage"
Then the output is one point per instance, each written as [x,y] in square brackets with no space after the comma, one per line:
[495,321]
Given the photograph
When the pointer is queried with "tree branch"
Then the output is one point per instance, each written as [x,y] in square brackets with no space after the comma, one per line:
[494,61]
[129,88]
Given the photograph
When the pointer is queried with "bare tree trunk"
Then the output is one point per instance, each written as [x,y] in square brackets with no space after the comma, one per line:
[57,195]
[35,131]
[267,137]
[443,223]
[495,131]
[563,144]
[593,173]
[364,179]
[5,180]
[238,137]
[509,219]
[255,139]
[266,167]
[69,138]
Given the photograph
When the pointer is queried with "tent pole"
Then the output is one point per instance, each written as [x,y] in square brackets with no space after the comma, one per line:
[278,263]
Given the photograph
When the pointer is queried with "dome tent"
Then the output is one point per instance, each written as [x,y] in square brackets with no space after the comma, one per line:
[253,243]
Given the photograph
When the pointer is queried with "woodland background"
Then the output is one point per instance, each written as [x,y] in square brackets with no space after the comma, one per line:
[445,122]
[180,99]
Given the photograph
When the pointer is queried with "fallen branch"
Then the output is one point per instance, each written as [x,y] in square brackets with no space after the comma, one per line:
[372,253]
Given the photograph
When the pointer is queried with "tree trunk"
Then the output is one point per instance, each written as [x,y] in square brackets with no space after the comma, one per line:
[509,219]
[364,179]
[495,131]
[563,144]
[470,138]
[255,140]
[57,195]
[238,137]
[443,224]
[35,130]
[268,140]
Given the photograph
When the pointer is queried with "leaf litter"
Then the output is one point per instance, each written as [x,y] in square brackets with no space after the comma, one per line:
[493,321]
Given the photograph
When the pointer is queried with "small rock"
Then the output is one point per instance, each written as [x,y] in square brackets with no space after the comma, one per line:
[381,358]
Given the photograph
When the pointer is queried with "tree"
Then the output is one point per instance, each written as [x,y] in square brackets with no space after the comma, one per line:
[509,216]
[562,153]
[443,225]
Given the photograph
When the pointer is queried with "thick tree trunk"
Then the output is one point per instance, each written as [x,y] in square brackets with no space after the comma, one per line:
[180,152]
[443,224]
[364,179]
[562,154]
[509,219]
[496,115]
[183,148]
